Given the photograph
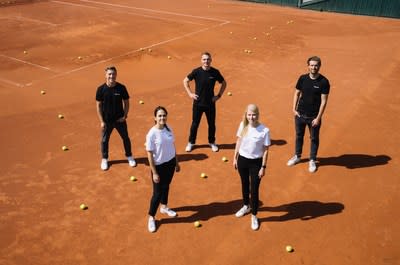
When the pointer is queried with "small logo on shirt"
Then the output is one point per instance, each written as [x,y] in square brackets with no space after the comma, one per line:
[117,94]
[316,86]
[211,77]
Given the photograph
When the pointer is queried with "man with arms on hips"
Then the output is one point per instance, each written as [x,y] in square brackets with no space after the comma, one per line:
[112,104]
[309,103]
[204,99]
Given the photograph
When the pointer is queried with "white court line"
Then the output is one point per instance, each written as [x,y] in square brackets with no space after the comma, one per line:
[35,20]
[26,62]
[11,82]
[134,51]
[155,11]
[129,13]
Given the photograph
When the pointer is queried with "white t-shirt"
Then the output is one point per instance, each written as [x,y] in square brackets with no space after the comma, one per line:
[253,142]
[161,143]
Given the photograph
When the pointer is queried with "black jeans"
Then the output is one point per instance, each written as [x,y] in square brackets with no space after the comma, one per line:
[122,129]
[161,189]
[248,171]
[198,111]
[301,123]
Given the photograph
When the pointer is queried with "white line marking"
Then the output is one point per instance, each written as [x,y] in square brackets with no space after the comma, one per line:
[154,11]
[35,20]
[129,13]
[26,62]
[11,82]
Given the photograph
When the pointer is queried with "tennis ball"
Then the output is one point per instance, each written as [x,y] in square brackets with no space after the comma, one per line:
[289,248]
[197,224]
[80,57]
[255,38]
[60,116]
[141,49]
[203,175]
[149,50]
[224,159]
[133,178]
[169,57]
[229,94]
[141,102]
[25,52]
[83,206]
[64,148]
[42,92]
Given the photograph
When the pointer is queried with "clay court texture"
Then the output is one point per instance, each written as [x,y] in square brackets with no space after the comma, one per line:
[345,213]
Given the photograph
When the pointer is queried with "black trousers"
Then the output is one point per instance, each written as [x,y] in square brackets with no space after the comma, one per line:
[301,123]
[161,189]
[122,129]
[248,171]
[198,111]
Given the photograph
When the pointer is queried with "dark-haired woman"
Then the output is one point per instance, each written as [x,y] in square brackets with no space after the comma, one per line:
[161,153]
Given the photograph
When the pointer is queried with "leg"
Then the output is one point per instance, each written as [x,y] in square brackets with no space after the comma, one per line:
[156,198]
[314,139]
[210,114]
[196,117]
[300,130]
[166,175]
[255,184]
[105,138]
[122,129]
[243,170]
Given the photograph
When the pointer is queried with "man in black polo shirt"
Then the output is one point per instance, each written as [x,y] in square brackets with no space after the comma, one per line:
[204,99]
[112,103]
[309,103]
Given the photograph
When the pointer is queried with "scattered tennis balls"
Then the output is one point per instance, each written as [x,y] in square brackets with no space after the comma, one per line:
[64,148]
[25,52]
[289,248]
[255,38]
[80,57]
[141,49]
[149,50]
[42,92]
[169,57]
[133,178]
[197,224]
[229,93]
[224,159]
[203,175]
[83,206]
[141,102]
[60,116]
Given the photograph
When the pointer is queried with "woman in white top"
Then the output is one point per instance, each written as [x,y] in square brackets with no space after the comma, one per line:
[250,160]
[161,153]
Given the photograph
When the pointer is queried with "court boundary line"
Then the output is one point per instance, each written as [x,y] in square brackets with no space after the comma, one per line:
[221,23]
[29,63]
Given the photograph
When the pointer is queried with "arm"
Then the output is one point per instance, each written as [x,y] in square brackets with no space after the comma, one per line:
[221,91]
[126,110]
[98,109]
[188,90]
[324,101]
[177,166]
[154,174]
[261,173]
[236,154]
[296,97]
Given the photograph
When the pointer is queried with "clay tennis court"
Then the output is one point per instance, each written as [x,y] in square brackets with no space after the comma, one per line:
[345,213]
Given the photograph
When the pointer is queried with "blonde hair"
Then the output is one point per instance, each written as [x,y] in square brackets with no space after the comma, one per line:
[253,108]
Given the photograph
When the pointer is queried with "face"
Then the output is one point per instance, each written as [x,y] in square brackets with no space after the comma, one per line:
[313,67]
[252,117]
[161,117]
[206,61]
[111,77]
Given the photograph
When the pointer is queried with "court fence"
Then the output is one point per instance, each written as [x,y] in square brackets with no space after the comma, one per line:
[380,8]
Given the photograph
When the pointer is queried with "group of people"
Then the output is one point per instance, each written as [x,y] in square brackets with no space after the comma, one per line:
[253,138]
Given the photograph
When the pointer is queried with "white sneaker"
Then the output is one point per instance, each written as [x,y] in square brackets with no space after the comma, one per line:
[214,147]
[131,161]
[244,210]
[312,167]
[151,225]
[166,210]
[104,164]
[293,161]
[189,147]
[254,222]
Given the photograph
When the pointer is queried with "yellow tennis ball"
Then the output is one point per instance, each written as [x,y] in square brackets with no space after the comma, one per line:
[133,178]
[229,93]
[83,206]
[60,116]
[203,175]
[289,248]
[224,159]
[141,102]
[197,224]
[64,148]
[42,92]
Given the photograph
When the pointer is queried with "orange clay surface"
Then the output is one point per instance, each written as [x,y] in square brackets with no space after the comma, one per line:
[346,213]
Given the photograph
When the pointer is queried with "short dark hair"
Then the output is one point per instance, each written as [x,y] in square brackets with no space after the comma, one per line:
[315,59]
[206,53]
[111,67]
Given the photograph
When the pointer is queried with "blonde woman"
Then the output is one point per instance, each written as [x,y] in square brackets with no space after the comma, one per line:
[250,159]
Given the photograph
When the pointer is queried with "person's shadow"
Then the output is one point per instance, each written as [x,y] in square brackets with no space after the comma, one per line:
[145,161]
[353,161]
[302,210]
[204,212]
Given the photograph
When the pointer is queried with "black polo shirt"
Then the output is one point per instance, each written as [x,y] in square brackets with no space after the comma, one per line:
[311,90]
[111,99]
